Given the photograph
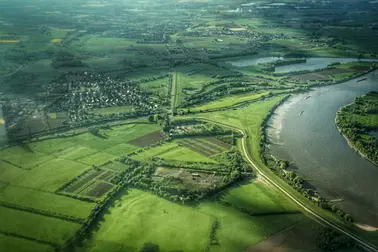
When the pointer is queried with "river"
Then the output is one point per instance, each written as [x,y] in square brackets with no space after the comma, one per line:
[312,63]
[311,141]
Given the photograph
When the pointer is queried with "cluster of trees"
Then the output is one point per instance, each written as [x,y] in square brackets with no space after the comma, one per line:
[214,228]
[330,240]
[230,139]
[358,131]
[270,66]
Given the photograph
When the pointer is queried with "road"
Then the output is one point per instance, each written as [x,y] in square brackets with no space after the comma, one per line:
[317,217]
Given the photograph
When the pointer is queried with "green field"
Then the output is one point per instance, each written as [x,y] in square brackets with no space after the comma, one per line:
[9,243]
[144,220]
[97,159]
[239,231]
[156,151]
[176,227]
[44,228]
[53,203]
[51,175]
[258,198]
[248,118]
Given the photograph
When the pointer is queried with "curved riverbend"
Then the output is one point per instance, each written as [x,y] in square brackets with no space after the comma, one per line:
[311,141]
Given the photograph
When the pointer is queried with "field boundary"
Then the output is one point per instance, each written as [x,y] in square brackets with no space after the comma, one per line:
[42,212]
[52,244]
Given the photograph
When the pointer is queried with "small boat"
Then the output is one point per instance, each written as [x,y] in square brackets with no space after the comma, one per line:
[307,97]
[301,112]
[362,79]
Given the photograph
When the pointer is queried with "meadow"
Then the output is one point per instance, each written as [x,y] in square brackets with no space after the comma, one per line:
[31,173]
[167,224]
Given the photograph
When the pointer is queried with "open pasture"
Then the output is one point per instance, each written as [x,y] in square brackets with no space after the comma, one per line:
[185,228]
[156,151]
[258,198]
[44,228]
[10,243]
[140,217]
[29,198]
[23,157]
[98,158]
[50,175]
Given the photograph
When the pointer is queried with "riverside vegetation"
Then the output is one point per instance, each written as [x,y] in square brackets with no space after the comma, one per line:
[358,121]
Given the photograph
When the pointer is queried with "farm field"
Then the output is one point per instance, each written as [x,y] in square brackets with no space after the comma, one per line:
[28,198]
[32,173]
[165,223]
[9,243]
[44,228]
[177,218]
[258,198]
[249,118]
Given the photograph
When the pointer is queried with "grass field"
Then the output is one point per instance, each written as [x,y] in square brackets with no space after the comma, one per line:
[120,149]
[238,231]
[9,243]
[257,197]
[155,151]
[23,157]
[46,201]
[51,175]
[44,228]
[97,159]
[139,217]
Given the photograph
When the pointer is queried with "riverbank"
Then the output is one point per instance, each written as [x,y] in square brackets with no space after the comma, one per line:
[313,146]
[350,143]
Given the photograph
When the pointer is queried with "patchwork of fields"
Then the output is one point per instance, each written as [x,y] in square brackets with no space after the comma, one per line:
[42,184]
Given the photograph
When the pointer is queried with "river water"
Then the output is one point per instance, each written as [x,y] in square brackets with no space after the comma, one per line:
[311,141]
[312,63]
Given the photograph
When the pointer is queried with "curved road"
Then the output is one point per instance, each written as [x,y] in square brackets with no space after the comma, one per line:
[313,214]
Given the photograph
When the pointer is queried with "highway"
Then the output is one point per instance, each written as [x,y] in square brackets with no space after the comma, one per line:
[317,217]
